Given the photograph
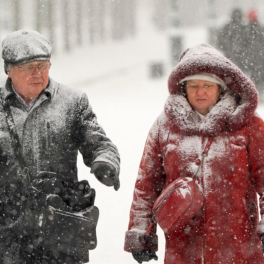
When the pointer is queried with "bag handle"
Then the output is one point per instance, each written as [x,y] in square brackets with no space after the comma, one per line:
[14,136]
[204,154]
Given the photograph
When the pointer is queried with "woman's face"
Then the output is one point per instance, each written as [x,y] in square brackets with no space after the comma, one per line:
[202,95]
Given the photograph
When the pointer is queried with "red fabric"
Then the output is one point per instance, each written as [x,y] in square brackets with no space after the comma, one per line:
[225,229]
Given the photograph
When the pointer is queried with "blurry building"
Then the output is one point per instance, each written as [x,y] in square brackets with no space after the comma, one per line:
[70,23]
[196,13]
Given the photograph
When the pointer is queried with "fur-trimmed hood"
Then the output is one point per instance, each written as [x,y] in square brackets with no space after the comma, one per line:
[227,113]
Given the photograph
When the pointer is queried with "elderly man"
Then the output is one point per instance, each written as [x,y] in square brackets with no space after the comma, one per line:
[52,123]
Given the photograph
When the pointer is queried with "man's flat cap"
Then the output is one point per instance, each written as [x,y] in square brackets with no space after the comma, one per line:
[24,46]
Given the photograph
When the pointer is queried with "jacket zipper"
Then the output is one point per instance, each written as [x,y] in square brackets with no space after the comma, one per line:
[204,154]
[202,186]
[203,255]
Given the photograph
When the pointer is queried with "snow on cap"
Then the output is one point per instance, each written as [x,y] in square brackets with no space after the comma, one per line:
[24,46]
[204,77]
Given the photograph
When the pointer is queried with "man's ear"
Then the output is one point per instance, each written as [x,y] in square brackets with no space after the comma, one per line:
[9,73]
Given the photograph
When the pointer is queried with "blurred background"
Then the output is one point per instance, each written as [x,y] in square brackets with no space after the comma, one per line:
[74,24]
[71,24]
[120,52]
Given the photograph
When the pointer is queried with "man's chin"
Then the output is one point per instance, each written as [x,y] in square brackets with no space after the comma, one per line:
[35,93]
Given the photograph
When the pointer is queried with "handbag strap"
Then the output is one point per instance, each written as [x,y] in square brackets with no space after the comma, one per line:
[13,135]
[204,154]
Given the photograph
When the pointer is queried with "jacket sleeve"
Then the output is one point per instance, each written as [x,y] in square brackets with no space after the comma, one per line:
[256,161]
[94,145]
[148,186]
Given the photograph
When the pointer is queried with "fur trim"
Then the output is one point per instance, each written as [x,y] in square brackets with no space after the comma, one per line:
[222,116]
[138,240]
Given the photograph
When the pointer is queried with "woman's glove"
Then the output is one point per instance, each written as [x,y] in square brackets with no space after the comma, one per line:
[141,255]
[106,174]
[262,241]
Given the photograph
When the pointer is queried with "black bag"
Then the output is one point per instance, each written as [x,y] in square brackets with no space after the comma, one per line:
[72,234]
[67,221]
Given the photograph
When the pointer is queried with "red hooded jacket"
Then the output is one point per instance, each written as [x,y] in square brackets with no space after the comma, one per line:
[226,229]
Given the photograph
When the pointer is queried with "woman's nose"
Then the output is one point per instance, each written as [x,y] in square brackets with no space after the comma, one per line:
[200,90]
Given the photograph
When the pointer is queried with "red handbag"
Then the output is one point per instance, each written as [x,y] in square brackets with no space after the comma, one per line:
[178,203]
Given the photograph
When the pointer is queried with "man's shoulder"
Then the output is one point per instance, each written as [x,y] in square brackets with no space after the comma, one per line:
[62,90]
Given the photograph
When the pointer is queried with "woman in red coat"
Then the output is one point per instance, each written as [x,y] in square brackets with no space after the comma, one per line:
[210,97]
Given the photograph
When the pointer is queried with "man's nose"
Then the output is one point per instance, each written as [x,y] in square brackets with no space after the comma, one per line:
[36,71]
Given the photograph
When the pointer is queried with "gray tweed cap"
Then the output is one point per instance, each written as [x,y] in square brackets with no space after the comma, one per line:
[24,46]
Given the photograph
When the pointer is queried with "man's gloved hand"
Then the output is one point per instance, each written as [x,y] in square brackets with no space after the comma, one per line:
[56,202]
[81,196]
[77,195]
[51,186]
[106,174]
[141,255]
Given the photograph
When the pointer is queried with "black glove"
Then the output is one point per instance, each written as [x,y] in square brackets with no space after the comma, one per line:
[56,202]
[77,195]
[141,255]
[51,186]
[81,196]
[262,241]
[106,174]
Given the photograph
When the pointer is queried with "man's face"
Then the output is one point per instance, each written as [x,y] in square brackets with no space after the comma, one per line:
[30,79]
